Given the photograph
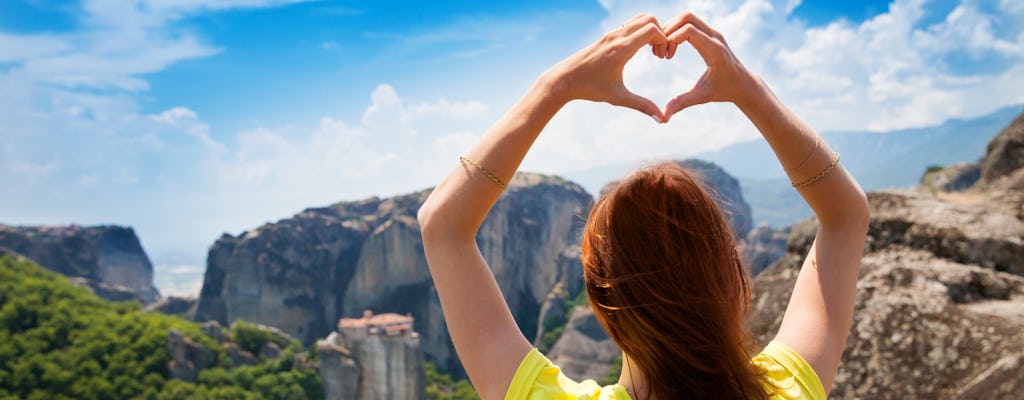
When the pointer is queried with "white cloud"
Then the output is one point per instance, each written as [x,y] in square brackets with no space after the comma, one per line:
[385,153]
[891,71]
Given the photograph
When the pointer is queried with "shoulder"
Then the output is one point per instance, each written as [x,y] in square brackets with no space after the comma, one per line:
[538,378]
[787,374]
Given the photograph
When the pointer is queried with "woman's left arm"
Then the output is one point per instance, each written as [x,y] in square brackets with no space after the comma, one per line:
[485,335]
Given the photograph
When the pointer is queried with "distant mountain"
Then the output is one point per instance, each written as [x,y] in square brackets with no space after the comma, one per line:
[894,159]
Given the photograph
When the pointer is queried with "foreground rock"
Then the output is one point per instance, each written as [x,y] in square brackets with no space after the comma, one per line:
[376,357]
[303,273]
[925,326]
[107,259]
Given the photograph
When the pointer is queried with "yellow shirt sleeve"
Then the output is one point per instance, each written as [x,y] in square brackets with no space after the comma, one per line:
[538,378]
[790,375]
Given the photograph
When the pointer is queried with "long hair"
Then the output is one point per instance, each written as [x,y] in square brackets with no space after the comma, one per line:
[665,280]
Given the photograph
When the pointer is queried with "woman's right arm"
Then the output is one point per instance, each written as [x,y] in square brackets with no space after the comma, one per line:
[820,311]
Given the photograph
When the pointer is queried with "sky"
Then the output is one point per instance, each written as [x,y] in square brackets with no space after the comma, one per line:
[187,119]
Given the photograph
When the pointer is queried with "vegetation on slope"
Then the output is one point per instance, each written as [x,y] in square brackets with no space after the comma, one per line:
[59,341]
[442,386]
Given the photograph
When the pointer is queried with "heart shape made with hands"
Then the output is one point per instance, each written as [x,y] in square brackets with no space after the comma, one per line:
[719,82]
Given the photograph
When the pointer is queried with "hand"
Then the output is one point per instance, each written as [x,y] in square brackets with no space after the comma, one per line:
[595,73]
[726,79]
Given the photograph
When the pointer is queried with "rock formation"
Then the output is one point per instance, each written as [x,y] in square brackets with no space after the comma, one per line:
[188,357]
[376,357]
[940,295]
[762,247]
[938,313]
[954,178]
[107,259]
[584,351]
[723,187]
[1005,153]
[173,305]
[302,273]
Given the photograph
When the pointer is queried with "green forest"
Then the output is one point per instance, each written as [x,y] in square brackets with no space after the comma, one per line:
[59,341]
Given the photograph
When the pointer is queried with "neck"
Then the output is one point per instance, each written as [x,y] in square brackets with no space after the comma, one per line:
[632,378]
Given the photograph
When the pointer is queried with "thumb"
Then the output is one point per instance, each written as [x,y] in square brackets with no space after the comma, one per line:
[693,97]
[624,98]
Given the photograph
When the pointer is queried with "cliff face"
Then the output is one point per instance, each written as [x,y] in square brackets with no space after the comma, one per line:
[107,259]
[303,273]
[291,274]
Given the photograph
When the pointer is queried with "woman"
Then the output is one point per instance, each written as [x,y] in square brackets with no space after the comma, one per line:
[660,264]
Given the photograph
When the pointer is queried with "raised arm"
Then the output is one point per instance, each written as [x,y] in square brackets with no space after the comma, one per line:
[820,311]
[486,336]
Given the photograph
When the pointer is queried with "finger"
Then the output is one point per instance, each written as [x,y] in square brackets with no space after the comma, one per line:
[638,22]
[624,98]
[648,34]
[696,95]
[690,18]
[670,51]
[704,44]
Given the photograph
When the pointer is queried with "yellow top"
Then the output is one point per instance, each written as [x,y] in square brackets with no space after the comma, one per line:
[537,378]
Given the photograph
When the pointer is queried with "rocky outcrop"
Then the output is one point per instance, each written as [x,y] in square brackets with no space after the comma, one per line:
[724,188]
[585,351]
[939,299]
[954,178]
[107,259]
[302,273]
[367,360]
[173,305]
[339,373]
[762,247]
[187,357]
[1005,153]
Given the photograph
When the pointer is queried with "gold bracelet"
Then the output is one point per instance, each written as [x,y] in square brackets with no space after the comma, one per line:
[820,174]
[817,142]
[495,179]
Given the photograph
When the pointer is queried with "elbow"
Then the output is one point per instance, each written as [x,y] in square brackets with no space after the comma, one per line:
[859,217]
[863,211]
[426,219]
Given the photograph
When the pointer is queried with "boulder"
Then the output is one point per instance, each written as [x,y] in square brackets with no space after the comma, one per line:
[187,357]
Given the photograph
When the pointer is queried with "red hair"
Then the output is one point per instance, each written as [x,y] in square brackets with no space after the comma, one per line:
[665,280]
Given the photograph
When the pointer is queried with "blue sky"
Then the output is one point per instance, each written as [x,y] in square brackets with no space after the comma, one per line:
[187,118]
